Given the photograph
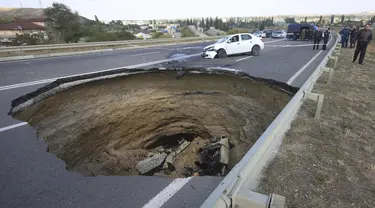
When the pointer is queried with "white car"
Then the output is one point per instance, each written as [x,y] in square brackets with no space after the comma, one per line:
[260,34]
[279,34]
[234,44]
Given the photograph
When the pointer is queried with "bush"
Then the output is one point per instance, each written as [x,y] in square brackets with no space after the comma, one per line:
[109,36]
[156,35]
[186,32]
[28,39]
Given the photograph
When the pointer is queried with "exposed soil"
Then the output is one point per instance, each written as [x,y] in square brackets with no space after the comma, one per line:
[105,127]
[330,162]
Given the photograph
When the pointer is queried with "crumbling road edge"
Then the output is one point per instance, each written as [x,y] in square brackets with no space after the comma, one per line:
[236,188]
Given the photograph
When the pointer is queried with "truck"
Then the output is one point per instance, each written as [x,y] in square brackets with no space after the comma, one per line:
[299,27]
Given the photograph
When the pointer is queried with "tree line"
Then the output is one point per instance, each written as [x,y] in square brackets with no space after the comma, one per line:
[231,23]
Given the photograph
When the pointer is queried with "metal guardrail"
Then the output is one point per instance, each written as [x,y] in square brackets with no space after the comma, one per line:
[94,44]
[237,187]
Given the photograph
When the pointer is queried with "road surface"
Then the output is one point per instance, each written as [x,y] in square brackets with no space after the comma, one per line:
[32,177]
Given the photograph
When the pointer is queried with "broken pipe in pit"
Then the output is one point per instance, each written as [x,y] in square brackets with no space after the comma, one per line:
[108,123]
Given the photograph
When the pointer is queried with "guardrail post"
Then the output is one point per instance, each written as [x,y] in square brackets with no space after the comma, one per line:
[247,198]
[330,71]
[317,98]
[336,58]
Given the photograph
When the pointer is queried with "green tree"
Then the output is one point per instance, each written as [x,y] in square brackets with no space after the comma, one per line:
[119,22]
[305,19]
[186,32]
[211,22]
[156,35]
[372,20]
[320,20]
[332,19]
[216,22]
[201,24]
[236,30]
[65,22]
[342,18]
[290,20]
[96,18]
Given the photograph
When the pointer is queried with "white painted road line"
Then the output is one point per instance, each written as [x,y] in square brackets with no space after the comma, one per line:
[167,193]
[290,81]
[12,126]
[241,59]
[302,69]
[43,81]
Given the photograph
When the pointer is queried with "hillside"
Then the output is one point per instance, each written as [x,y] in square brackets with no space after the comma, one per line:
[27,13]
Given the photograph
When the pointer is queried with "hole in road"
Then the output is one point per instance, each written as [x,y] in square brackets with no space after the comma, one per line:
[155,124]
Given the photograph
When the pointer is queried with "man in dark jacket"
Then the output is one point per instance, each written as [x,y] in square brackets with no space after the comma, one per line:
[318,35]
[353,37]
[295,33]
[325,38]
[363,39]
[344,37]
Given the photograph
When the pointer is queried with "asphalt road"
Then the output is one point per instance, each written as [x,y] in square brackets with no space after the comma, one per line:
[31,177]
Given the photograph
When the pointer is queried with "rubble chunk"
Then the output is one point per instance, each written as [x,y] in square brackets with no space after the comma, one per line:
[213,158]
[160,149]
[169,161]
[150,163]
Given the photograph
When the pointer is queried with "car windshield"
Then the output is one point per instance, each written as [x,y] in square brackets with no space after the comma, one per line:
[278,32]
[223,39]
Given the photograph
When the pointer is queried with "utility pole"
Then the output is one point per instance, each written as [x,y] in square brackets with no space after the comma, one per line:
[40,3]
[21,3]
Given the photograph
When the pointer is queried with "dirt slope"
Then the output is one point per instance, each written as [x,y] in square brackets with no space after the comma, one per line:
[330,163]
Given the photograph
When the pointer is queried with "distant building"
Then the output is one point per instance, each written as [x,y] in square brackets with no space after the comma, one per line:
[143,35]
[8,31]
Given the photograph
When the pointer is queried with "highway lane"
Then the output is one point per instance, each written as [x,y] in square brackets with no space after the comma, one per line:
[31,177]
[36,69]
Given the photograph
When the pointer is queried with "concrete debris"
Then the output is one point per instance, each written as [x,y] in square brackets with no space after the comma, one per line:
[182,146]
[213,158]
[159,149]
[150,163]
[169,161]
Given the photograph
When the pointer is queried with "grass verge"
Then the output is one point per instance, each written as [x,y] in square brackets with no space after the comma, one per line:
[330,162]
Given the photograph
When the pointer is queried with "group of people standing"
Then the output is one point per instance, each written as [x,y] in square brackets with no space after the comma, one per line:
[318,36]
[362,37]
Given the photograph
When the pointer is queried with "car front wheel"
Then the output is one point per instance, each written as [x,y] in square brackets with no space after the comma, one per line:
[255,50]
[222,53]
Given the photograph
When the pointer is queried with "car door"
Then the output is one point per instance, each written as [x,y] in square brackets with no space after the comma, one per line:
[233,45]
[246,43]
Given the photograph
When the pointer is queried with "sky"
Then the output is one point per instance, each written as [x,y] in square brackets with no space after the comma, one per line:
[171,9]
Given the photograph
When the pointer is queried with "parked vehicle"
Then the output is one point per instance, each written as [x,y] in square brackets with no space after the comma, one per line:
[299,27]
[279,34]
[268,33]
[234,44]
[260,34]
